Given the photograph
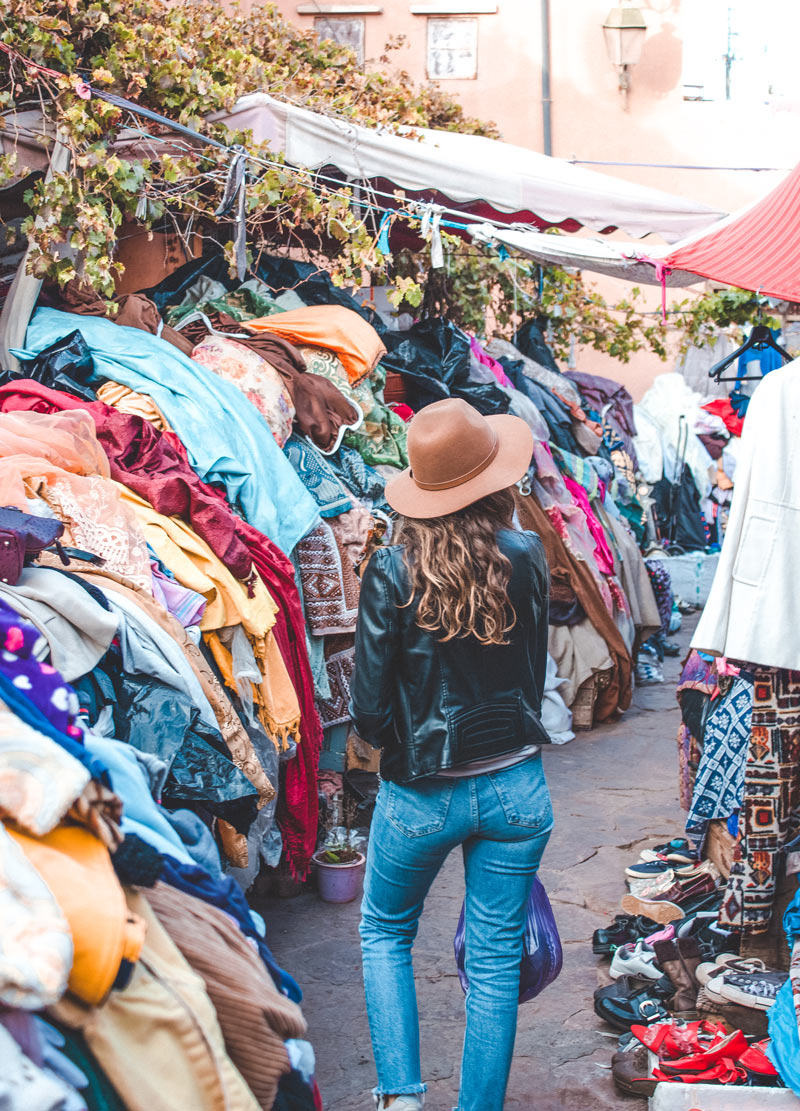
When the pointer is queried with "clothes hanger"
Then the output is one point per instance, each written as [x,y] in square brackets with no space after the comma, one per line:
[760,339]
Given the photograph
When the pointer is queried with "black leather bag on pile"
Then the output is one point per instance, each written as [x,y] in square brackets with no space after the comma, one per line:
[65,365]
[434,358]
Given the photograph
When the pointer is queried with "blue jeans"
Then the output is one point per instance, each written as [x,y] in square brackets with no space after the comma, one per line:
[502,821]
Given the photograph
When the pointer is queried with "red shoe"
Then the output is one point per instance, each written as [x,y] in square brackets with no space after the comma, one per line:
[755,1060]
[729,1048]
[672,1040]
[725,1071]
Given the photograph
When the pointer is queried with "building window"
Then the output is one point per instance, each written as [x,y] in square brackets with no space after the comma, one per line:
[452,49]
[346,32]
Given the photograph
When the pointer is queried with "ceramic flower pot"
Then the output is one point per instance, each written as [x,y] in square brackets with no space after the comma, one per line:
[339,883]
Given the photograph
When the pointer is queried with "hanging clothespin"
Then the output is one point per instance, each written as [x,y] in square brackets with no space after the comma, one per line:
[431,229]
[382,243]
[234,200]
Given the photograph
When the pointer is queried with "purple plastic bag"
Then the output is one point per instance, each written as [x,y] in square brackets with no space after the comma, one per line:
[541,950]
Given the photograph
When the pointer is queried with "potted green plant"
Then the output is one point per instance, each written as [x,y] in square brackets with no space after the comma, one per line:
[340,870]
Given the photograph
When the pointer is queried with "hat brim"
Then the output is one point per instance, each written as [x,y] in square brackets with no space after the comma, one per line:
[514,453]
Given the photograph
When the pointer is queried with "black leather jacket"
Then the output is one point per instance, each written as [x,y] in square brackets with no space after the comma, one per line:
[431,705]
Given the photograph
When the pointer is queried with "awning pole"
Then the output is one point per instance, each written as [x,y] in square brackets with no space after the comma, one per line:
[547,118]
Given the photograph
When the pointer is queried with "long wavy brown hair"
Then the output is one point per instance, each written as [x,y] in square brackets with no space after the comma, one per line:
[459,576]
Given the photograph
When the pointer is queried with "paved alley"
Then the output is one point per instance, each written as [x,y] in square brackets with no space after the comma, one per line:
[614,791]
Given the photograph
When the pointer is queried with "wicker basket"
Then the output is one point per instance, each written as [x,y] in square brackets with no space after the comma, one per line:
[583,706]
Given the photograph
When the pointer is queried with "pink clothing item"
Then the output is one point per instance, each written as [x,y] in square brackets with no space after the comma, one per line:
[185,604]
[486,360]
[602,551]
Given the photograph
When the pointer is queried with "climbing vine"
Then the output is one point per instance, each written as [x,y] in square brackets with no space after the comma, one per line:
[483,286]
[185,60]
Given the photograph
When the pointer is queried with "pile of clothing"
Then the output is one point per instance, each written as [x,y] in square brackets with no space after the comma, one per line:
[175,673]
[687,444]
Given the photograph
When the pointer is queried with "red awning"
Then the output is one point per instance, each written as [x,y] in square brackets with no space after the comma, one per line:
[756,249]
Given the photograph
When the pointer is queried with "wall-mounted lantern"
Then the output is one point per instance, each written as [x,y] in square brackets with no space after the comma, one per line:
[625,30]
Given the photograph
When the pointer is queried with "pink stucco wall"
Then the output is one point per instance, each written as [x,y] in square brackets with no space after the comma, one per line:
[589,120]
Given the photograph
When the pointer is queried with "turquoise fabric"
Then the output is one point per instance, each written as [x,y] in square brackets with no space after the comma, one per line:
[141,815]
[784,1047]
[209,414]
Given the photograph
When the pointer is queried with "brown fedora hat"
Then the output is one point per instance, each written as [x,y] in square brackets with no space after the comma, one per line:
[457,457]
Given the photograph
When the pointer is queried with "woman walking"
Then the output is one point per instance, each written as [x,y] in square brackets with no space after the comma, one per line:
[451,654]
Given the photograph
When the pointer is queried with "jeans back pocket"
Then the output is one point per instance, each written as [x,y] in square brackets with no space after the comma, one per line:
[523,794]
[420,808]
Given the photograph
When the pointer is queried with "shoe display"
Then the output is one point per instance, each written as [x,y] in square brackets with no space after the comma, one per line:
[676,851]
[632,1071]
[635,960]
[728,962]
[654,885]
[680,959]
[660,910]
[676,973]
[624,929]
[646,869]
[630,1001]
[749,989]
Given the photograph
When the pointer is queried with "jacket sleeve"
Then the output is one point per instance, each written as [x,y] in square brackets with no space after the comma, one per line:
[376,650]
[540,601]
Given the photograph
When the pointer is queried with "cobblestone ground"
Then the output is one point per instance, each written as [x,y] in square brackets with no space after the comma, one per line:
[614,792]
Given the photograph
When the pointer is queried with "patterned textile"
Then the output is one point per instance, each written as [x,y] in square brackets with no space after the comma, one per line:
[698,674]
[340,660]
[318,476]
[35,940]
[96,521]
[41,684]
[39,780]
[719,785]
[689,753]
[581,470]
[662,588]
[381,439]
[259,382]
[330,585]
[770,813]
[365,482]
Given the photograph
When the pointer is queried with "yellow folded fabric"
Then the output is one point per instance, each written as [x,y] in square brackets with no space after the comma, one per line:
[135,404]
[195,565]
[275,698]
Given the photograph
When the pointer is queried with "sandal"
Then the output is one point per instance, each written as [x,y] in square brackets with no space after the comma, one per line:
[728,1049]
[758,1065]
[673,1040]
[724,1071]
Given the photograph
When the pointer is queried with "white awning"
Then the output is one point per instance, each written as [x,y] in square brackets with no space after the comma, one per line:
[610,257]
[469,170]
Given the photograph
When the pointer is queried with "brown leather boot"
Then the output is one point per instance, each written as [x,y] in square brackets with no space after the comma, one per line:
[679,960]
